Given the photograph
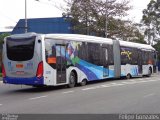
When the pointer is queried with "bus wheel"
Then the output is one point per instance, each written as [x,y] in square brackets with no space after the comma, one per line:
[38,86]
[128,76]
[72,80]
[84,82]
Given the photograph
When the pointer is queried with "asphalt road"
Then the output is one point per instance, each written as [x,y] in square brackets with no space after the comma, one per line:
[138,95]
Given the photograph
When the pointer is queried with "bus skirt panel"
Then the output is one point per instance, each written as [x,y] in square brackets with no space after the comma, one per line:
[26,81]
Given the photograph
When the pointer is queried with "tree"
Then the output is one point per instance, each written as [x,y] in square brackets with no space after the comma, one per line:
[152,22]
[2,36]
[89,16]
[125,30]
[157,47]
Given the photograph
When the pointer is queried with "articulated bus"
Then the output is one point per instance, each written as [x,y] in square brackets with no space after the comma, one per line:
[70,59]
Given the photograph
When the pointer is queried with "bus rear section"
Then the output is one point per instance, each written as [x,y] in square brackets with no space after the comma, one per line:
[22,60]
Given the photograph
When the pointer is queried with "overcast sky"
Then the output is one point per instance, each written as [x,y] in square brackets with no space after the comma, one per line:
[13,10]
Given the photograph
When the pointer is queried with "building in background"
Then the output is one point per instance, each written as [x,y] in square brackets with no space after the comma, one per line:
[44,25]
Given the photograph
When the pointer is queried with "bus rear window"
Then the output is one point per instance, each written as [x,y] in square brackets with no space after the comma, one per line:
[20,49]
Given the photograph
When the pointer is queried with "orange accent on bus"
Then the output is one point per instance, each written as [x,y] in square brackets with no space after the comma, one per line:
[19,65]
[150,62]
[51,60]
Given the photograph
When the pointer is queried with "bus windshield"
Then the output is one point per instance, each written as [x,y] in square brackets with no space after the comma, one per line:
[20,49]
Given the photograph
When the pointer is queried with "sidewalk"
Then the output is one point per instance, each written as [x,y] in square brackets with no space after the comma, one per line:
[158,73]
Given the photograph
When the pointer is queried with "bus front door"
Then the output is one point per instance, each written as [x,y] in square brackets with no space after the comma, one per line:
[61,63]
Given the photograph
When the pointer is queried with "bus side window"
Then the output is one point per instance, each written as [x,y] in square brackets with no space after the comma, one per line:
[155,55]
[126,55]
[82,51]
[106,54]
[134,57]
[50,54]
[94,53]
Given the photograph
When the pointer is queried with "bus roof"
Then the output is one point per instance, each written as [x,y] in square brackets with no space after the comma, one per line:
[136,45]
[86,38]
[81,38]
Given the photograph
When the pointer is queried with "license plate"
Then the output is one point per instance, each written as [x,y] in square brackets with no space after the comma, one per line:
[20,72]
[19,65]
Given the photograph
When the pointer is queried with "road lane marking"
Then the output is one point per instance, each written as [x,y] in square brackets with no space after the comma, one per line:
[113,83]
[129,82]
[91,88]
[157,78]
[118,84]
[147,81]
[108,85]
[149,95]
[138,79]
[68,92]
[37,97]
[103,86]
[132,80]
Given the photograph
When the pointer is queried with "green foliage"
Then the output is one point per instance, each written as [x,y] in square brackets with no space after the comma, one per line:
[152,22]
[89,17]
[157,47]
[2,36]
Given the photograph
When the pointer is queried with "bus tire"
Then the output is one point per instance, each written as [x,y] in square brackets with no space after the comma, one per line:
[128,76]
[84,82]
[72,80]
[38,86]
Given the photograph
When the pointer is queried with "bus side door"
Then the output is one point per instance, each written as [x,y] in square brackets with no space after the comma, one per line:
[61,63]
[140,61]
